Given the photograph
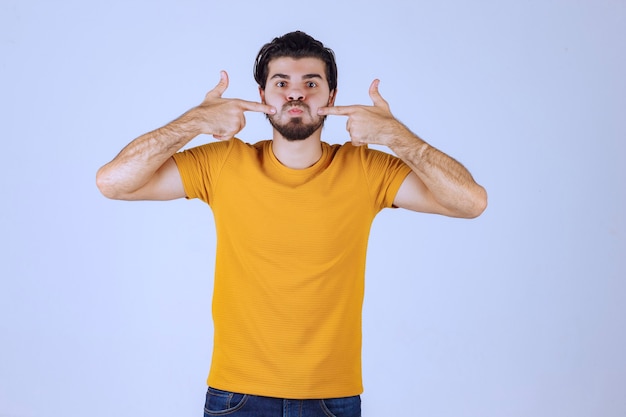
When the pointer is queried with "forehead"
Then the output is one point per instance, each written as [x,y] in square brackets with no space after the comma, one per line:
[296,67]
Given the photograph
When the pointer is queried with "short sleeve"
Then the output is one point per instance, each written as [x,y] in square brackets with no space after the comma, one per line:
[385,174]
[200,167]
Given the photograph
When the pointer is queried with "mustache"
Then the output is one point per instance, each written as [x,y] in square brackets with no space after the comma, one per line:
[296,103]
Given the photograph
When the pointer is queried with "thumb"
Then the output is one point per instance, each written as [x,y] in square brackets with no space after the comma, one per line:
[377,99]
[220,88]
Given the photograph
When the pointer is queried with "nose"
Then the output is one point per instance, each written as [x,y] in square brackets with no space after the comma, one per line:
[295,94]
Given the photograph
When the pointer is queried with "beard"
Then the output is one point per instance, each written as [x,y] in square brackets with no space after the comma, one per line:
[295,128]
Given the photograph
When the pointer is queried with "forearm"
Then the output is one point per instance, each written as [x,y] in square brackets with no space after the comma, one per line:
[137,163]
[439,184]
[447,180]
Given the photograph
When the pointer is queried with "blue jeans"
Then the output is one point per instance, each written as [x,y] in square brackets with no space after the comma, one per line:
[225,403]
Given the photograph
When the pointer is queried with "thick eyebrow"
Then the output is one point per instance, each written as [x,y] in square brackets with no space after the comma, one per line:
[304,77]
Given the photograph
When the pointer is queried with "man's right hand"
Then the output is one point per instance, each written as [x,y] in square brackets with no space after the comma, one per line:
[145,170]
[224,117]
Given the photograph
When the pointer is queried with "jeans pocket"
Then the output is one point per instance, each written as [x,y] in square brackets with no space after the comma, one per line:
[342,407]
[221,403]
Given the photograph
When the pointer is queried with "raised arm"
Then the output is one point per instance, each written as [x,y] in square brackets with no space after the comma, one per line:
[145,169]
[437,184]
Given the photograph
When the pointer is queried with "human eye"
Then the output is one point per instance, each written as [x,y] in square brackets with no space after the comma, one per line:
[281,84]
[311,84]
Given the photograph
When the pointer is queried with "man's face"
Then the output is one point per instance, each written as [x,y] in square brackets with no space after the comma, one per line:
[297,88]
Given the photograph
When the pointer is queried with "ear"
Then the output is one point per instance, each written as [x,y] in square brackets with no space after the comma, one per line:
[262,95]
[331,99]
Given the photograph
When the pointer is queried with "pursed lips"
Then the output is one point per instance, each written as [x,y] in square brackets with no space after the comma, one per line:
[295,109]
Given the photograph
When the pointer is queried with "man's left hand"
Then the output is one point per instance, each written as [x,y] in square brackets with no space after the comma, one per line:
[368,124]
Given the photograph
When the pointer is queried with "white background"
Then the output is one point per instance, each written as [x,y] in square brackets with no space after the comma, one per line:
[105,305]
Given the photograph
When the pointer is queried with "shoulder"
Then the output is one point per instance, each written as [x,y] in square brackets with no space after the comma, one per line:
[222,148]
[364,153]
[343,150]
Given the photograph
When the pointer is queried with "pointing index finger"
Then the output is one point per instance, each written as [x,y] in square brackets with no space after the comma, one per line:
[335,110]
[257,107]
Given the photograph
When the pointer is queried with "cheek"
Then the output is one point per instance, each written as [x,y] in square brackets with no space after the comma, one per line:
[317,104]
[269,97]
[322,101]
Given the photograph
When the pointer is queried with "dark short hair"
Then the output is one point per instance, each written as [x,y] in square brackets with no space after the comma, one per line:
[295,45]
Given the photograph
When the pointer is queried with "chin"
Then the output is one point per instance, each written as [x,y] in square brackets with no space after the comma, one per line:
[295,129]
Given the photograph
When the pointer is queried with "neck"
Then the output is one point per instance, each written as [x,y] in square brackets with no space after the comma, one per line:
[297,154]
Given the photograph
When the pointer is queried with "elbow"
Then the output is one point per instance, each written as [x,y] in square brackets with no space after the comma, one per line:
[105,185]
[478,204]
[471,205]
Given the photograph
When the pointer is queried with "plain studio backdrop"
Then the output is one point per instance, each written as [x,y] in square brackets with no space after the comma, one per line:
[105,305]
